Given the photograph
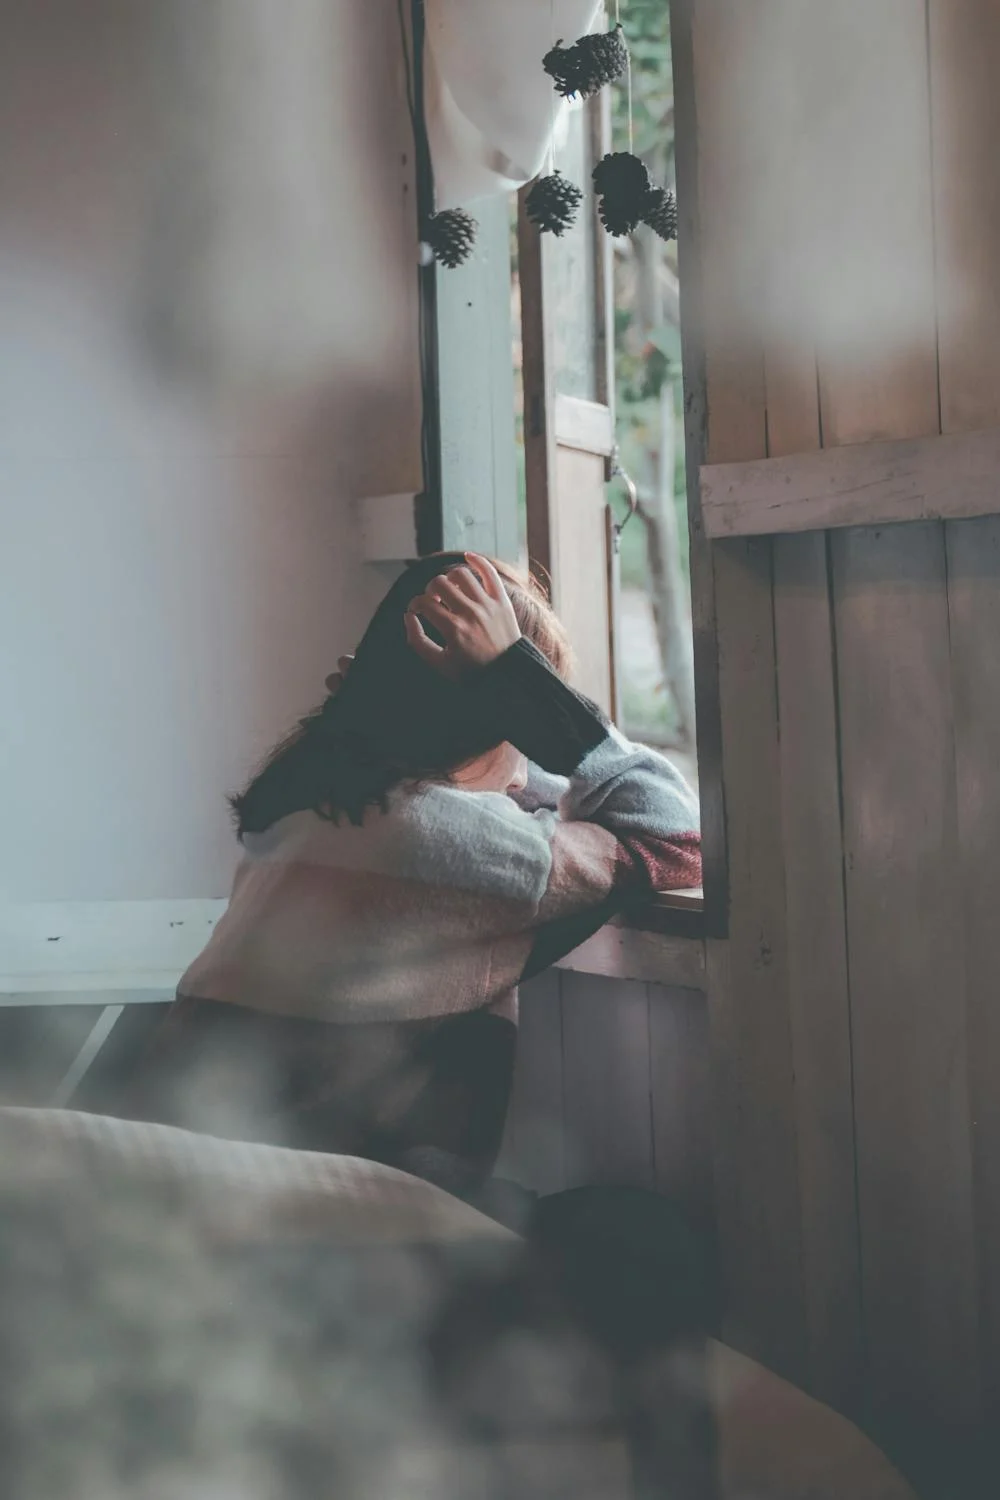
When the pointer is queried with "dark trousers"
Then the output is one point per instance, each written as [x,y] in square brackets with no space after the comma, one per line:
[429,1097]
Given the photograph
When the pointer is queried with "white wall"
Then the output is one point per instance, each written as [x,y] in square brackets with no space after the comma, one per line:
[207,348]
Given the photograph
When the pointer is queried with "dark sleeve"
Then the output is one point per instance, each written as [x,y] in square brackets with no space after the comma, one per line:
[528,704]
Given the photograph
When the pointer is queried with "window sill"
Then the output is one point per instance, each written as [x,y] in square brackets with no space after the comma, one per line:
[676,913]
[660,942]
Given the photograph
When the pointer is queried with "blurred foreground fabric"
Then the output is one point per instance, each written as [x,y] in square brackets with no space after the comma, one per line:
[184,1316]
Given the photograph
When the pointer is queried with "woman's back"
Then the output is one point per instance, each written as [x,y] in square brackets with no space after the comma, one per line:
[360,992]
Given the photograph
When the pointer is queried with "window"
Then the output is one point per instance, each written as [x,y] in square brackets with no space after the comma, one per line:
[598,369]
[596,391]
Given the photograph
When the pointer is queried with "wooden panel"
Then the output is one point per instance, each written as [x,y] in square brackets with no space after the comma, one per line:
[607,1081]
[579,569]
[680,1072]
[808,760]
[925,479]
[907,973]
[905,953]
[757,1170]
[756,1186]
[974,620]
[539,416]
[874,286]
[965,55]
[817,967]
[476,394]
[533,1151]
[965,58]
[584,424]
[620,952]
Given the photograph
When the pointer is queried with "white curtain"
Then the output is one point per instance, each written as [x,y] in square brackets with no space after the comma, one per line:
[489,104]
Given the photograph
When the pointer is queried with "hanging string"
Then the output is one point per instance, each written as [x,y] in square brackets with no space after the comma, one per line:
[628,80]
[552,203]
[551,159]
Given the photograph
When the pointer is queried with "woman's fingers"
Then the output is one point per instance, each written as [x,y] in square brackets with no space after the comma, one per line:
[420,642]
[470,586]
[449,590]
[488,575]
[434,611]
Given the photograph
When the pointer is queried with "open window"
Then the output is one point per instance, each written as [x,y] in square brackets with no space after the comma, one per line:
[608,432]
[598,355]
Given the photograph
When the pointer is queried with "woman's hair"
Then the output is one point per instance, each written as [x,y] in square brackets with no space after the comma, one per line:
[394,718]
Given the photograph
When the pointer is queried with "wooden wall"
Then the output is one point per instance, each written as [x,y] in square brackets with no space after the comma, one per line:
[847,233]
[611,1086]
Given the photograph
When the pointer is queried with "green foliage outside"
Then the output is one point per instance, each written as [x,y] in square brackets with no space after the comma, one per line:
[646,358]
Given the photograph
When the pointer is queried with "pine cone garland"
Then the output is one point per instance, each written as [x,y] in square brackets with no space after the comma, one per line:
[552,203]
[451,235]
[588,64]
[661,213]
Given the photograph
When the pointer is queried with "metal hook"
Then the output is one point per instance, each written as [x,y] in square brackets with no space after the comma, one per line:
[633,494]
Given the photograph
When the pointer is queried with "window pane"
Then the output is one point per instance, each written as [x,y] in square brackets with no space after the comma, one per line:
[571,269]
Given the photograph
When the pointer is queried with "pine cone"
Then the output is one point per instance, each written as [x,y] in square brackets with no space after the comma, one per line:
[616,219]
[601,58]
[661,213]
[552,203]
[623,183]
[563,65]
[622,175]
[451,235]
[588,64]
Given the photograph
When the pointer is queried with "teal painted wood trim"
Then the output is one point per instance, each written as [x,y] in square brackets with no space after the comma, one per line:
[476,392]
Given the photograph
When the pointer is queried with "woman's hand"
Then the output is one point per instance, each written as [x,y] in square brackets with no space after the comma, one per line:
[468,606]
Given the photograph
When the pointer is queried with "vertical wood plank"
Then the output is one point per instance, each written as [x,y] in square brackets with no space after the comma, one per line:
[907,974]
[580,577]
[680,1074]
[791,93]
[757,1189]
[607,1081]
[817,967]
[476,394]
[965,111]
[539,395]
[878,379]
[533,1151]
[876,301]
[973,560]
[755,1169]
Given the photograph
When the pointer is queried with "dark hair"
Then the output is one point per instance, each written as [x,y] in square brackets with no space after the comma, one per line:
[394,718]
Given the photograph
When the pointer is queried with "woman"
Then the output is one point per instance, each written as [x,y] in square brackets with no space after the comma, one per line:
[441,818]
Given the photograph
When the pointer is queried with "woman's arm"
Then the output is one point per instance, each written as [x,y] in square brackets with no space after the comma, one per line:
[625,818]
[598,776]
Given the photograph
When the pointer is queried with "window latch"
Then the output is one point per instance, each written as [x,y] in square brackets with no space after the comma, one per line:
[617,472]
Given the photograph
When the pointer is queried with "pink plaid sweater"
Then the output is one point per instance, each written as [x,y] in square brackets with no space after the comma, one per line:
[360,948]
